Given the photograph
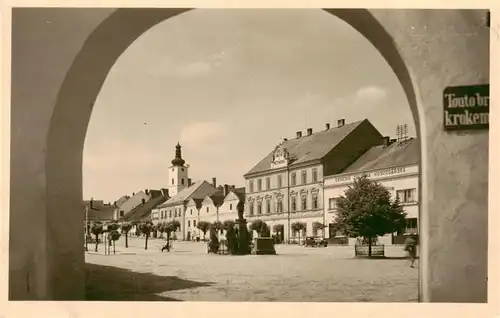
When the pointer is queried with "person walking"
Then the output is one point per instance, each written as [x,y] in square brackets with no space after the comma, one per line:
[411,248]
[166,246]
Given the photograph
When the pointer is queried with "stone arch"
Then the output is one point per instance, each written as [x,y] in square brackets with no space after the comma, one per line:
[408,52]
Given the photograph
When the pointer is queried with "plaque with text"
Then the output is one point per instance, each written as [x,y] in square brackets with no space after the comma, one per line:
[466,107]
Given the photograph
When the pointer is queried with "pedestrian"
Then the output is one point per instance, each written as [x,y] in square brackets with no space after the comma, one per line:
[411,248]
[166,246]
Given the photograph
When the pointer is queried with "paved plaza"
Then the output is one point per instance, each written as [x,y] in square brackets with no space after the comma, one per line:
[188,273]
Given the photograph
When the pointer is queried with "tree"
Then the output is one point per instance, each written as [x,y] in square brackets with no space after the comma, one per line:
[232,243]
[161,229]
[97,229]
[299,227]
[318,226]
[114,235]
[126,227]
[367,210]
[171,227]
[146,229]
[260,227]
[203,226]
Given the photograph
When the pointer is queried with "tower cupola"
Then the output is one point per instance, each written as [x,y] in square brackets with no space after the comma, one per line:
[178,161]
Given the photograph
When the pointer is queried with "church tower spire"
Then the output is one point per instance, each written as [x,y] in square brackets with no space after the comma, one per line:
[178,173]
[178,161]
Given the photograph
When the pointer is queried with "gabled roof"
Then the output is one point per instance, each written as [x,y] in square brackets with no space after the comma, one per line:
[143,211]
[197,202]
[217,197]
[198,190]
[309,148]
[239,192]
[402,153]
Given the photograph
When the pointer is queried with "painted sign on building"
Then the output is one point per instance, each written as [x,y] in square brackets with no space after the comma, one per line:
[466,107]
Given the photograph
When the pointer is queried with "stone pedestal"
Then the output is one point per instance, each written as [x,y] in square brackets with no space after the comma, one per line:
[263,246]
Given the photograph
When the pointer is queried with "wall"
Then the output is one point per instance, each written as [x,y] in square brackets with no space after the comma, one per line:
[59,67]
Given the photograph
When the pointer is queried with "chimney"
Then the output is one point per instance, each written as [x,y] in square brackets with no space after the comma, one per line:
[285,139]
[146,191]
[327,126]
[299,134]
[214,182]
[133,193]
[114,203]
[233,186]
[340,122]
[309,131]
[226,190]
[386,141]
[143,201]
[189,182]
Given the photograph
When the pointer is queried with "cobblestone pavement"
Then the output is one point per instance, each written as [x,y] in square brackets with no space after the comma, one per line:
[297,273]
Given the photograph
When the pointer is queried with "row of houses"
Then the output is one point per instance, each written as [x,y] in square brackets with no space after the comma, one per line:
[298,181]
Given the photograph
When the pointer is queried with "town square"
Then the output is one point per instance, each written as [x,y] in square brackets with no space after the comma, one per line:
[296,273]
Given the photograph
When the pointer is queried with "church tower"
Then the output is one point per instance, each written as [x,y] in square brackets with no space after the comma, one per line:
[178,173]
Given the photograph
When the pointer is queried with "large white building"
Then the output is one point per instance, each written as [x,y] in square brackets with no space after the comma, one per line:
[286,186]
[394,164]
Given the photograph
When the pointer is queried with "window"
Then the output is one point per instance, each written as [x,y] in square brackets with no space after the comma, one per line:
[208,209]
[182,169]
[122,213]
[332,203]
[175,213]
[230,207]
[172,181]
[169,213]
[294,203]
[259,207]
[293,179]
[250,186]
[406,195]
[194,223]
[182,180]
[304,202]
[315,202]
[191,211]
[411,226]
[304,176]
[259,185]
[278,181]
[279,206]
[314,175]
[268,206]
[189,223]
[250,208]
[268,183]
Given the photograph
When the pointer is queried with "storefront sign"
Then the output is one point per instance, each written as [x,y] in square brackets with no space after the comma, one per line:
[372,174]
[466,107]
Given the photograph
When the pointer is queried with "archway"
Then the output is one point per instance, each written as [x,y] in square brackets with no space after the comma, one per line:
[409,56]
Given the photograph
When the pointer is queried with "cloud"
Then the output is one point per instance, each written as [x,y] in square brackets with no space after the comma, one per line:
[370,93]
[197,68]
[200,134]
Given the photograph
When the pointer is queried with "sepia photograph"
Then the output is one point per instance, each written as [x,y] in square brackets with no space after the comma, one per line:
[249,155]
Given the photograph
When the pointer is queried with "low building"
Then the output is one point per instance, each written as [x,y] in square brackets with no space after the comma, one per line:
[395,165]
[175,207]
[128,204]
[97,210]
[286,186]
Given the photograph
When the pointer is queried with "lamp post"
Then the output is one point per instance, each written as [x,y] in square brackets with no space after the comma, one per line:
[86,227]
[105,237]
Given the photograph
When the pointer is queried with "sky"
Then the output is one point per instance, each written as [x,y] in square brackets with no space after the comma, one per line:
[229,85]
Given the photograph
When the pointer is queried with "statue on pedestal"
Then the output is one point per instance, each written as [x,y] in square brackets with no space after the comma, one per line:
[242,232]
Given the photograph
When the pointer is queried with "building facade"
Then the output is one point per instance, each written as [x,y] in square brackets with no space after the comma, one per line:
[395,165]
[286,186]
